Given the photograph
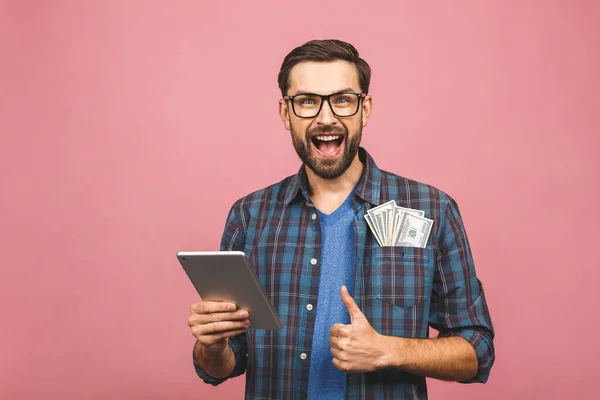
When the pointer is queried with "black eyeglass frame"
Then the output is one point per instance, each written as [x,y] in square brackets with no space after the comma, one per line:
[326,98]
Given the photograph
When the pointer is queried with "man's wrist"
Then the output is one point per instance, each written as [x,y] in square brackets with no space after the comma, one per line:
[214,352]
[392,351]
[216,362]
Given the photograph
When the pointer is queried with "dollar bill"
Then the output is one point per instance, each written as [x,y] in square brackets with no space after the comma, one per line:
[414,231]
[387,223]
[418,213]
[379,216]
[372,227]
[398,214]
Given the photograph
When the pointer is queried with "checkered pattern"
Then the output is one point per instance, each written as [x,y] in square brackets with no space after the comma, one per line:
[402,291]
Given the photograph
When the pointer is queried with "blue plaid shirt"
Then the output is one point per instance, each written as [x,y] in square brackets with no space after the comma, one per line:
[401,290]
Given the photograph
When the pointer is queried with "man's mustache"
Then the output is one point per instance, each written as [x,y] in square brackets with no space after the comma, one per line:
[322,130]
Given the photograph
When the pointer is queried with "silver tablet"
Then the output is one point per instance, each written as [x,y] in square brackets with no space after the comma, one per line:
[228,276]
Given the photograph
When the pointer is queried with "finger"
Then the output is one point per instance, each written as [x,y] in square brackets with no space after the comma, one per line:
[338,354]
[350,304]
[234,332]
[218,327]
[227,334]
[208,307]
[208,340]
[341,365]
[334,342]
[335,328]
[340,330]
[343,331]
[202,319]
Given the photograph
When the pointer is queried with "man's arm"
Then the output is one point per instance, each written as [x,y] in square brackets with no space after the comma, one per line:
[449,359]
[458,307]
[357,347]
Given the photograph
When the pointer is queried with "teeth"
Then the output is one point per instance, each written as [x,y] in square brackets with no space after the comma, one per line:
[327,138]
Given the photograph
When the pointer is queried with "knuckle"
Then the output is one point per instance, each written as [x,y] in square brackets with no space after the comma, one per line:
[227,334]
[197,308]
[194,320]
[220,326]
[196,331]
[236,325]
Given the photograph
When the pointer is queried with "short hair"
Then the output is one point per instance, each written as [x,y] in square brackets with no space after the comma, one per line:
[324,51]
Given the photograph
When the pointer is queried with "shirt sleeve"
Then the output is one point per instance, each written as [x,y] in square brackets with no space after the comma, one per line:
[233,239]
[458,306]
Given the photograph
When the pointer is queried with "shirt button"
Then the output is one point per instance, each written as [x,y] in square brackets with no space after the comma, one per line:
[313,261]
[313,216]
[309,307]
[303,356]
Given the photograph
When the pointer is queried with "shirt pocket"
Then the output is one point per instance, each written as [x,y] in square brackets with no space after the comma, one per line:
[402,274]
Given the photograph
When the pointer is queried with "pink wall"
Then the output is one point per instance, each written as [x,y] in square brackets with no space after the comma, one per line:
[123,140]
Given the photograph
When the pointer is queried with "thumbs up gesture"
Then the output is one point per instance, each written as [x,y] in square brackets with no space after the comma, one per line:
[357,347]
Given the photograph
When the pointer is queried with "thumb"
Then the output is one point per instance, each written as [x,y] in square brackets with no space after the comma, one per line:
[350,304]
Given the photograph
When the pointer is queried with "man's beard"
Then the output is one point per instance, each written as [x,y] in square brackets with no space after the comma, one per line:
[327,168]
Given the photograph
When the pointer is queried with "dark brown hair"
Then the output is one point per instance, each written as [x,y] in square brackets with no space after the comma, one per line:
[324,51]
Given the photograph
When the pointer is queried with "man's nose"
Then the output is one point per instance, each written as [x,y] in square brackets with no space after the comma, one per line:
[326,115]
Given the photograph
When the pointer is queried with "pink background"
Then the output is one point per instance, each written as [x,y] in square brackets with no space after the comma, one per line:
[124,139]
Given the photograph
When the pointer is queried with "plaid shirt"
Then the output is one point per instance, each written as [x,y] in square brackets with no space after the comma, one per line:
[401,290]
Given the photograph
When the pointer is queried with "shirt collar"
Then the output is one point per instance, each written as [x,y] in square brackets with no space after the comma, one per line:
[368,187]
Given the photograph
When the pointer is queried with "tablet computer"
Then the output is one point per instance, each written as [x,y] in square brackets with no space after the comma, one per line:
[228,276]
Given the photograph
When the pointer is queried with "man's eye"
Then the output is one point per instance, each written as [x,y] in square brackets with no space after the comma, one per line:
[307,101]
[342,100]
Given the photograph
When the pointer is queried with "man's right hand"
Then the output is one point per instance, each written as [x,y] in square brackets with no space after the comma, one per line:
[214,322]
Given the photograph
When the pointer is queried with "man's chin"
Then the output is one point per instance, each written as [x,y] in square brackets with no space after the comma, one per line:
[328,170]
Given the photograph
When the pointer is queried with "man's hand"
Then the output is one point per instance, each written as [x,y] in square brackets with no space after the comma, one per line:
[214,322]
[356,347]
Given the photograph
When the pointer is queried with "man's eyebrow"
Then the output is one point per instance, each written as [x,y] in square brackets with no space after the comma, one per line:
[345,90]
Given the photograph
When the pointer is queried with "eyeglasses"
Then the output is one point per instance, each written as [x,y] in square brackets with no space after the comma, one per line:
[308,105]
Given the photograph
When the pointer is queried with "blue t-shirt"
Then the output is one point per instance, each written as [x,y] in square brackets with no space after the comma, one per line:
[325,381]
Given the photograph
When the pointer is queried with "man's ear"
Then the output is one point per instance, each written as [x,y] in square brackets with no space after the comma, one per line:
[367,106]
[284,114]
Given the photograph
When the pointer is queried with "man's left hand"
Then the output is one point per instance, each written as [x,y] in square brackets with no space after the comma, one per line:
[356,347]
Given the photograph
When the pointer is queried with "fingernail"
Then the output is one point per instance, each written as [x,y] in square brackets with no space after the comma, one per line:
[231,307]
[243,314]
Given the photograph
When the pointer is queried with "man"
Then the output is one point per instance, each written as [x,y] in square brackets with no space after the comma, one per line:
[355,311]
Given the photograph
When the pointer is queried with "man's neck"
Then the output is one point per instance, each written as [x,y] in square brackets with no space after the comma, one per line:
[328,194]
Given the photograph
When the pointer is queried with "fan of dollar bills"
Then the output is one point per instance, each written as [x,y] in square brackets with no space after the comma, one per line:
[398,226]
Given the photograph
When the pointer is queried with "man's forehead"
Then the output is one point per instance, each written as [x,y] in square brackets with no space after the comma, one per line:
[323,77]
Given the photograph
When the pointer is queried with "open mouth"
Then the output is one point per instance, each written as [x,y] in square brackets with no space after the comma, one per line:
[328,145]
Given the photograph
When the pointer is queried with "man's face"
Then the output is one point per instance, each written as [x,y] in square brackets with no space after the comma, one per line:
[326,143]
